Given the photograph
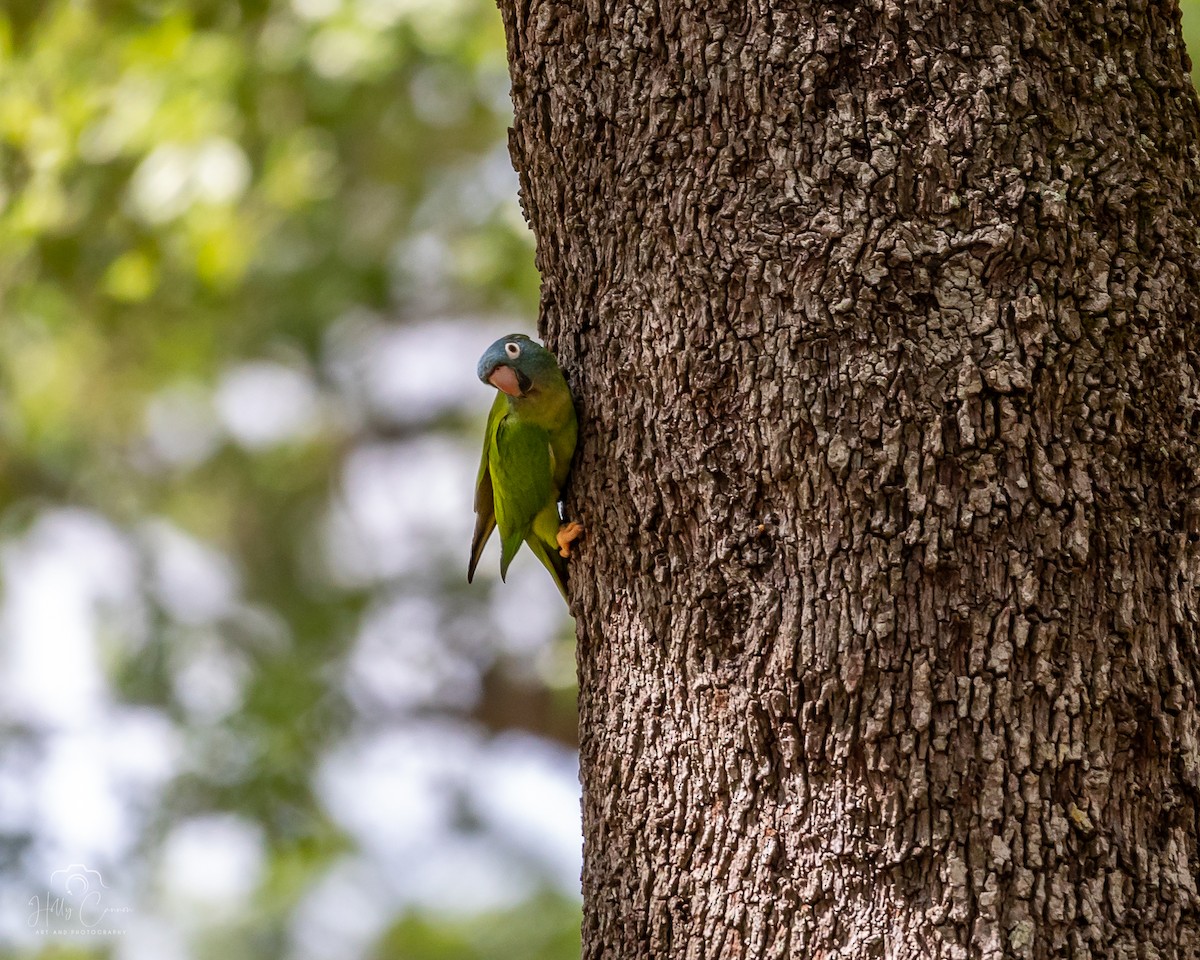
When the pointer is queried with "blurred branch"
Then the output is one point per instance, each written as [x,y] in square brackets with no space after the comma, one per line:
[512,703]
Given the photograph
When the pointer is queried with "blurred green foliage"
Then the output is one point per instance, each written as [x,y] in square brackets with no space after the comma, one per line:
[1190,10]
[544,928]
[189,186]
[186,184]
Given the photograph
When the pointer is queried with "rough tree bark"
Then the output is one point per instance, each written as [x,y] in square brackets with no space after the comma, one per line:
[883,321]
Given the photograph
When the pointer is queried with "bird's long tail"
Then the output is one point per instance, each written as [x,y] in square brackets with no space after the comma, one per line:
[551,561]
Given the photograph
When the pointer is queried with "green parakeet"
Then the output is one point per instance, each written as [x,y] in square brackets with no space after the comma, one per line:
[526,457]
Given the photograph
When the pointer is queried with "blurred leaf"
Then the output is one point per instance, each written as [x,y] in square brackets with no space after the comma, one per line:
[544,928]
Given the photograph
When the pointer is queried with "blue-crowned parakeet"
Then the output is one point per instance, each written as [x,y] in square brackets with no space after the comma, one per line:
[526,456]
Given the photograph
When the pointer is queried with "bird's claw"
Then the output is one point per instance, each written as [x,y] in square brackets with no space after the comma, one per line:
[567,534]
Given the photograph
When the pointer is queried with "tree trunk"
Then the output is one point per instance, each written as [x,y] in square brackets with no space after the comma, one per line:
[882,319]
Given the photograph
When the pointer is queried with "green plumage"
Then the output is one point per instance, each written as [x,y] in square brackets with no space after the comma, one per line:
[527,452]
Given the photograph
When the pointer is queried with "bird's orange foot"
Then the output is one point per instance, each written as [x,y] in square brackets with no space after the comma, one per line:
[568,533]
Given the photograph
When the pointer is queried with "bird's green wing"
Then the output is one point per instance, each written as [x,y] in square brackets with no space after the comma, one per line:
[485,510]
[520,468]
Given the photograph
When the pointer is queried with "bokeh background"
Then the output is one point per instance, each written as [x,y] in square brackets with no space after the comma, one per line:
[249,255]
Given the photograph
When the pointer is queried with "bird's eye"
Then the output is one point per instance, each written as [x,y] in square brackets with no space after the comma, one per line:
[512,349]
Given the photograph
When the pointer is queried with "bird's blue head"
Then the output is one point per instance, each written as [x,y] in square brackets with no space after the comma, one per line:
[516,365]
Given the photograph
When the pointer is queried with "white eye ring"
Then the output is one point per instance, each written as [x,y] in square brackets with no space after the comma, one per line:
[512,349]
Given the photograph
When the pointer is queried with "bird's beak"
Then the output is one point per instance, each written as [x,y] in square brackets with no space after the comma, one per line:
[505,380]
